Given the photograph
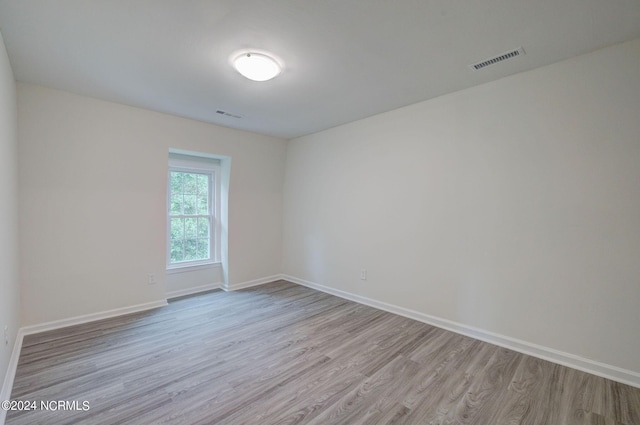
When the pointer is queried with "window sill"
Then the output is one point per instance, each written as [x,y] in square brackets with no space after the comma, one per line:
[193,267]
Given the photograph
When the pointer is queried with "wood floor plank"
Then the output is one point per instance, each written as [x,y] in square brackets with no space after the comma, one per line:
[515,401]
[362,401]
[484,395]
[445,389]
[284,354]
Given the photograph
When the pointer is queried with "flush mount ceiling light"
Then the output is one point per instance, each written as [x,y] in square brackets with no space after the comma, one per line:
[257,66]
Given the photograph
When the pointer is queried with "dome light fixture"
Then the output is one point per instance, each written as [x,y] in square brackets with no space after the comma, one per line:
[257,66]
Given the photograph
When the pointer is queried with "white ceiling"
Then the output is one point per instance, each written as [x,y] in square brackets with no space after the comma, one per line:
[344,59]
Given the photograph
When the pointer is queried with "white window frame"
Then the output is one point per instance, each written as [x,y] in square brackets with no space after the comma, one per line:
[213,171]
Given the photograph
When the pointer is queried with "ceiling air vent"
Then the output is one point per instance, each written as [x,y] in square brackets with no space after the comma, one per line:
[228,114]
[503,57]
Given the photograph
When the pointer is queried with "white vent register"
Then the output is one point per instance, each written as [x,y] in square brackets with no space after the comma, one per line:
[496,59]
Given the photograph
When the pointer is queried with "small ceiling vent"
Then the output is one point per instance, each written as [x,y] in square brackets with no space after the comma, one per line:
[503,57]
[228,114]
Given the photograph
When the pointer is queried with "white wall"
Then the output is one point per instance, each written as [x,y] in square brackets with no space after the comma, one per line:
[9,282]
[513,207]
[183,281]
[93,201]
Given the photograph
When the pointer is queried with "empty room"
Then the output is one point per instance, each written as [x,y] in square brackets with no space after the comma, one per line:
[320,212]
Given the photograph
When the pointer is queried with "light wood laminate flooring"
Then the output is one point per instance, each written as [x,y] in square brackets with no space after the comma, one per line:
[285,354]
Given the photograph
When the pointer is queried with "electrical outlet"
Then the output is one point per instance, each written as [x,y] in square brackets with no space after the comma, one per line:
[363,274]
[6,334]
[151,279]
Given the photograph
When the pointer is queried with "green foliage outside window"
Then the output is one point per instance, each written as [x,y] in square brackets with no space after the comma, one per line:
[189,215]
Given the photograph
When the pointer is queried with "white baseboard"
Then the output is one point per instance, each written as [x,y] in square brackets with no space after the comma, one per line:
[7,385]
[191,291]
[86,318]
[565,359]
[251,283]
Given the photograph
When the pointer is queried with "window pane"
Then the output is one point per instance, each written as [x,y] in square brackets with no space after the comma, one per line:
[203,205]
[177,228]
[190,183]
[177,251]
[203,227]
[176,182]
[190,249]
[176,204]
[190,227]
[203,249]
[189,204]
[203,184]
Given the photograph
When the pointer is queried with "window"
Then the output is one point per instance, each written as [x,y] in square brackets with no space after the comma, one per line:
[193,211]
